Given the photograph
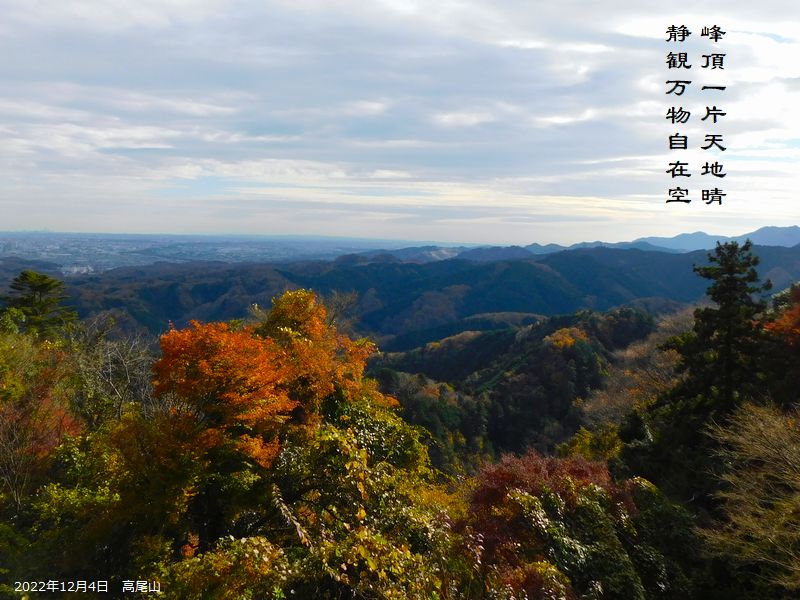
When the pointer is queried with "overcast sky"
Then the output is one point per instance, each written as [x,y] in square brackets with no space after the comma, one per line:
[502,121]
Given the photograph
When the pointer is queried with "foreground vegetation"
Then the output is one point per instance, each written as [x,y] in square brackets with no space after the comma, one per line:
[254,459]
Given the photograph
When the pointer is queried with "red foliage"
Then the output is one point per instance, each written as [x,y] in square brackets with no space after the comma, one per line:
[34,416]
[532,473]
[787,325]
[41,424]
[535,585]
[507,537]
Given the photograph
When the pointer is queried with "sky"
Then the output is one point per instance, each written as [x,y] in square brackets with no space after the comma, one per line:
[476,121]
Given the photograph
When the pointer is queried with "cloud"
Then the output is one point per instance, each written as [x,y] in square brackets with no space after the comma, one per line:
[469,107]
[462,119]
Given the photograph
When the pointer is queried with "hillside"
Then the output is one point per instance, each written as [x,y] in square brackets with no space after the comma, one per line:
[514,388]
[403,305]
[543,456]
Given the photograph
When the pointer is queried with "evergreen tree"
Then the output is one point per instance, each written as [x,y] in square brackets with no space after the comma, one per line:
[722,360]
[722,355]
[724,364]
[37,299]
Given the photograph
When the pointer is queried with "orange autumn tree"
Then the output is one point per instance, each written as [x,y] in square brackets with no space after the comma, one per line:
[231,381]
[320,359]
[787,323]
[334,510]
[295,457]
[244,384]
[783,350]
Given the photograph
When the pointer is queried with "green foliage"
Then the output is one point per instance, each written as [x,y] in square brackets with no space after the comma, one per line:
[723,362]
[602,443]
[722,355]
[11,319]
[513,388]
[14,552]
[34,415]
[455,422]
[236,569]
[34,304]
[567,519]
[667,549]
[352,500]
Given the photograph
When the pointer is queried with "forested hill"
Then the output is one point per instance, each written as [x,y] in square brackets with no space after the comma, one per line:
[264,457]
[403,305]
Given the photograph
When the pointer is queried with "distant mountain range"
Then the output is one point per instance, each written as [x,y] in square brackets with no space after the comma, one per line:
[684,242]
[766,236]
[407,296]
[403,304]
[73,254]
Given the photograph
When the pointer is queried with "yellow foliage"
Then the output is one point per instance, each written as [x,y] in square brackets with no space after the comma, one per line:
[566,337]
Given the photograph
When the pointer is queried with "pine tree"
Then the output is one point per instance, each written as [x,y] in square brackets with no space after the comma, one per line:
[722,355]
[723,364]
[37,299]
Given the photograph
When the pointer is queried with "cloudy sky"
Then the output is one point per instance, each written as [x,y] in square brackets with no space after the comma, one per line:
[491,121]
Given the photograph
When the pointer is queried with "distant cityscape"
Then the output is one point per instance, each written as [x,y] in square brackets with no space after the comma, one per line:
[85,253]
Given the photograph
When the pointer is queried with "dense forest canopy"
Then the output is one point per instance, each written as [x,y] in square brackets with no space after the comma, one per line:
[589,455]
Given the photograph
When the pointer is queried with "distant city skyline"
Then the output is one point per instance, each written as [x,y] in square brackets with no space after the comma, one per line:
[502,122]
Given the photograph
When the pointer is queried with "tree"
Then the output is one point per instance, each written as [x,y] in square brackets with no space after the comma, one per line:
[34,413]
[319,357]
[563,528]
[638,374]
[761,493]
[231,381]
[723,362]
[722,355]
[110,372]
[783,330]
[267,467]
[38,299]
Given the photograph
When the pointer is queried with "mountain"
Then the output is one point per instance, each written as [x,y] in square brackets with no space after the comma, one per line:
[546,249]
[527,378]
[11,266]
[639,245]
[405,304]
[684,242]
[80,254]
[420,253]
[765,236]
[495,253]
[773,236]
